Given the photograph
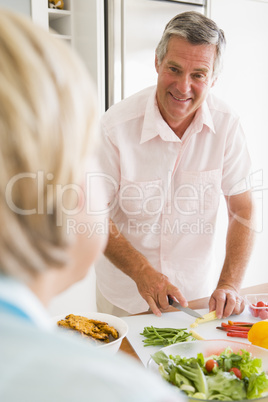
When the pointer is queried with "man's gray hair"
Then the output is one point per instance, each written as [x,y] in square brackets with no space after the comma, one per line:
[197,29]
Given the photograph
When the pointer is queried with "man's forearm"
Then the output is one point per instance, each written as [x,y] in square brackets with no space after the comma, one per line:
[239,245]
[123,255]
[152,285]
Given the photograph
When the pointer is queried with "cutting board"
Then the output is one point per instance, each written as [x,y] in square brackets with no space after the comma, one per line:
[176,319]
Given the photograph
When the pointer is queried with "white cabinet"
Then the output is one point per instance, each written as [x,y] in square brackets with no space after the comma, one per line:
[243,84]
[60,21]
[81,24]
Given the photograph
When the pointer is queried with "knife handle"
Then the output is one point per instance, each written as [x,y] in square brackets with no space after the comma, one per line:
[170,300]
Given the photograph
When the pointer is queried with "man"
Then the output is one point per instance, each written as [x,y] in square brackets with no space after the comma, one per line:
[167,153]
[47,120]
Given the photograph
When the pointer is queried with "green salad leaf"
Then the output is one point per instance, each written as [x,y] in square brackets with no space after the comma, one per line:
[242,360]
[182,372]
[257,384]
[191,376]
[195,374]
[224,385]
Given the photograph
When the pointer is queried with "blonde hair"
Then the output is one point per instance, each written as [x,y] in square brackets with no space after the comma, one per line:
[47,119]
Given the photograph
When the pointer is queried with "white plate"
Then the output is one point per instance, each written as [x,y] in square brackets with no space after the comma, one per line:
[116,322]
[210,347]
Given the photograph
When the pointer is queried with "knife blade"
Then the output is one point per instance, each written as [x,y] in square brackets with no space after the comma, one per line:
[186,310]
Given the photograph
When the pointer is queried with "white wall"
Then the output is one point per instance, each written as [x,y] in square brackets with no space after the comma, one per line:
[244,84]
[21,6]
[81,297]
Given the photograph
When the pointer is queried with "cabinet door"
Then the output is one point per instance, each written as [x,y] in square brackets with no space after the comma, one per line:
[88,40]
[243,83]
[39,10]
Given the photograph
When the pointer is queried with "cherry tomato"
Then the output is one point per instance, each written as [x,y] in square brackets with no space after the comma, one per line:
[261,304]
[254,311]
[263,314]
[210,364]
[237,372]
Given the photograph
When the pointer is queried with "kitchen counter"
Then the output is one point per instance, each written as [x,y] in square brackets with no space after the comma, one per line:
[133,345]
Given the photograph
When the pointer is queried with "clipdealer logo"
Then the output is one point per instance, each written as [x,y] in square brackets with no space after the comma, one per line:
[151,198]
[166,227]
[135,201]
[44,193]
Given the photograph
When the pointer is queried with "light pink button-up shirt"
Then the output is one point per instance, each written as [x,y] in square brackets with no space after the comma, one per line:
[164,191]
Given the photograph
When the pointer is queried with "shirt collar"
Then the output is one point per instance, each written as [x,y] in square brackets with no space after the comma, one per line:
[154,125]
[15,294]
[203,118]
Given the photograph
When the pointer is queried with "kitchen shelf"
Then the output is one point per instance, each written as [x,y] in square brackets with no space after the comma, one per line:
[61,22]
[56,14]
[81,25]
[64,37]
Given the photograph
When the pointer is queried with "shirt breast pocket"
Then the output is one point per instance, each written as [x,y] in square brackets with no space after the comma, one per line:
[141,200]
[197,192]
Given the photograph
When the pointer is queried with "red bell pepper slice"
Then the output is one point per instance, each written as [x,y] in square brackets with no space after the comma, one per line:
[238,334]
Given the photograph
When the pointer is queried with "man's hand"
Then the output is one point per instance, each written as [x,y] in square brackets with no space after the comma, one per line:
[155,287]
[226,301]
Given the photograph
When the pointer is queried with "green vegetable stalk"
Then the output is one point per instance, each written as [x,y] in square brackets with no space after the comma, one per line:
[194,373]
[165,336]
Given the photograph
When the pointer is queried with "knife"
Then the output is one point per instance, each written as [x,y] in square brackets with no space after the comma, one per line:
[186,310]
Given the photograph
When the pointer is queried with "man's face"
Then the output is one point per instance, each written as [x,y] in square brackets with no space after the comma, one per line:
[185,77]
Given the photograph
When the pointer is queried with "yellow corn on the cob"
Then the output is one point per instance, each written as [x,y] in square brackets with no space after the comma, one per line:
[206,317]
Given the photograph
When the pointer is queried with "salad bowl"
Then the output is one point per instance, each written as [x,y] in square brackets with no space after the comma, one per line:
[209,348]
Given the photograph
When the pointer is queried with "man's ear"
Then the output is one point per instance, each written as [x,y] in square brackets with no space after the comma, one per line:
[156,63]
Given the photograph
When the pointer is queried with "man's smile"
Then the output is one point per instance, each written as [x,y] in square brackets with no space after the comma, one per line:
[180,99]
